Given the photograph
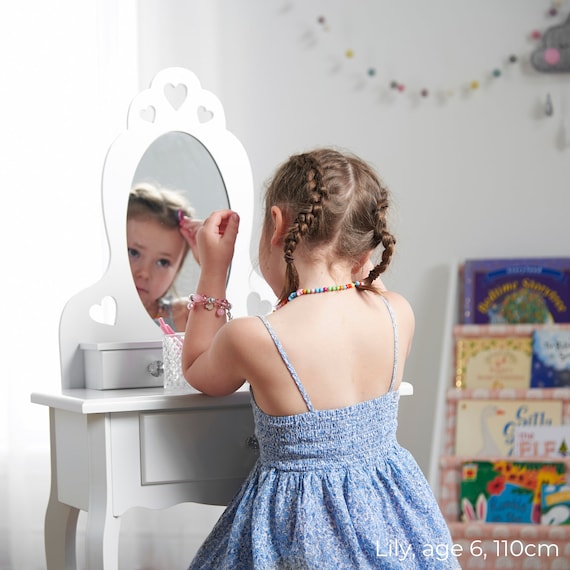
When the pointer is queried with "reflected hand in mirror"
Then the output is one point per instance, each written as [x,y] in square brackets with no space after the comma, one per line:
[161,230]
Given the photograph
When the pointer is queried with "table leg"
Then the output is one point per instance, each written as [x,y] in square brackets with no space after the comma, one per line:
[60,520]
[102,531]
[59,533]
[102,540]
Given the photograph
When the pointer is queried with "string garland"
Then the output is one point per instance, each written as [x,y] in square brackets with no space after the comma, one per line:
[399,86]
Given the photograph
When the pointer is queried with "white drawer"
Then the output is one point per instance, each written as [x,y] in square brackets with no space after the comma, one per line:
[201,445]
[115,365]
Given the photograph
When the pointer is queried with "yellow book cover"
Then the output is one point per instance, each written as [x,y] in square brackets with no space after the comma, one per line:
[486,428]
[493,362]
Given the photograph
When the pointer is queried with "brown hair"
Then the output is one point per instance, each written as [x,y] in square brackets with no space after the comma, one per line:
[160,204]
[332,200]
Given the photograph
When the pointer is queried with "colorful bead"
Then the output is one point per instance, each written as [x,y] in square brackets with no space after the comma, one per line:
[300,292]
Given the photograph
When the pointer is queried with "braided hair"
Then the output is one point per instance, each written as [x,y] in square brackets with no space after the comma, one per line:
[330,199]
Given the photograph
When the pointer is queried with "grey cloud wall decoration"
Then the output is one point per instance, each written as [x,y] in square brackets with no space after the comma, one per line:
[553,55]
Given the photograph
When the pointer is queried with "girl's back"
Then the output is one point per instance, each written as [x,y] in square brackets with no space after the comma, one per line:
[341,345]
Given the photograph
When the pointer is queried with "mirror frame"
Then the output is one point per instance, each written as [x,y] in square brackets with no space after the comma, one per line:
[119,314]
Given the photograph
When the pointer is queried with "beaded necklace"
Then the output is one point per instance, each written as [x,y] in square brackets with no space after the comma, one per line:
[300,292]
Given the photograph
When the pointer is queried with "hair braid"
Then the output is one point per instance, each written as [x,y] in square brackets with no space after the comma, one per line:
[381,236]
[308,218]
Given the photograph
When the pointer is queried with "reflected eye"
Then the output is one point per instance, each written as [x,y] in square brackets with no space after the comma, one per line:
[133,252]
[163,263]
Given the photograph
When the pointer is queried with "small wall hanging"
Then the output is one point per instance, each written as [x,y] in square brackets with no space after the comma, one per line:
[553,55]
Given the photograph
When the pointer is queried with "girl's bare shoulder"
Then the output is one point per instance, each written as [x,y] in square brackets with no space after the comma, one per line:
[399,303]
[402,309]
[244,332]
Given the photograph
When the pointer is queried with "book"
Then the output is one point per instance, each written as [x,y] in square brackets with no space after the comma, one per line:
[550,365]
[541,441]
[493,362]
[485,428]
[506,491]
[555,507]
[510,291]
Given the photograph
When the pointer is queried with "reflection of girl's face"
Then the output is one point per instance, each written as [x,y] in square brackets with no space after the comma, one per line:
[155,255]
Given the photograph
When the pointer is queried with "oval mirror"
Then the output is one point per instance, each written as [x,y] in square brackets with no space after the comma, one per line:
[176,137]
[176,165]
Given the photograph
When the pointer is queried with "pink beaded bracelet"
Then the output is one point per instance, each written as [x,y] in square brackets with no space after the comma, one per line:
[222,306]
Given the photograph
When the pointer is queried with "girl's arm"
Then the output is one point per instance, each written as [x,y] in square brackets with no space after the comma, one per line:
[207,354]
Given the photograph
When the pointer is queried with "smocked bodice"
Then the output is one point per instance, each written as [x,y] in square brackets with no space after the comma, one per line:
[361,433]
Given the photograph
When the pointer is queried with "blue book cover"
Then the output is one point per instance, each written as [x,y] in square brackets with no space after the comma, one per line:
[550,365]
[513,291]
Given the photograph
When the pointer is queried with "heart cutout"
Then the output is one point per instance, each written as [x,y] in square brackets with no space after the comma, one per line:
[204,115]
[148,114]
[105,312]
[255,306]
[175,94]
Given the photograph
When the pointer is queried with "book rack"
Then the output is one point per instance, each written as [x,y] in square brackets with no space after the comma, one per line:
[480,544]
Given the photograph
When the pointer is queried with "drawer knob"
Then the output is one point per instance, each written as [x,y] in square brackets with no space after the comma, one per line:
[156,368]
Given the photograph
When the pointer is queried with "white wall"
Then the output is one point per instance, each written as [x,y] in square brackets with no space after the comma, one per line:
[479,174]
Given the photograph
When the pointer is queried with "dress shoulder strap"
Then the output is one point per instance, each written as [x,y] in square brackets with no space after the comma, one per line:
[395,327]
[287,362]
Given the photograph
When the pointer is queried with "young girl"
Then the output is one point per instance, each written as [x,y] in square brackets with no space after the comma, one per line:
[332,488]
[160,230]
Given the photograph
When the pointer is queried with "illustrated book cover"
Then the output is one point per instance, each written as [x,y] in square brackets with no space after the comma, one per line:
[485,428]
[493,362]
[555,504]
[550,366]
[506,491]
[541,441]
[503,291]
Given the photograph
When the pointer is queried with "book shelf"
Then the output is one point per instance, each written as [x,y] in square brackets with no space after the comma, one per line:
[480,544]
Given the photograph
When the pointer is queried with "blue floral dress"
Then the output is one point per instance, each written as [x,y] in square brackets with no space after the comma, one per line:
[332,489]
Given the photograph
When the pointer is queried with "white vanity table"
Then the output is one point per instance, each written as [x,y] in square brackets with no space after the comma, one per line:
[135,445]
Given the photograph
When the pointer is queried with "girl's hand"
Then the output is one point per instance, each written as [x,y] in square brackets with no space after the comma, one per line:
[189,228]
[216,239]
